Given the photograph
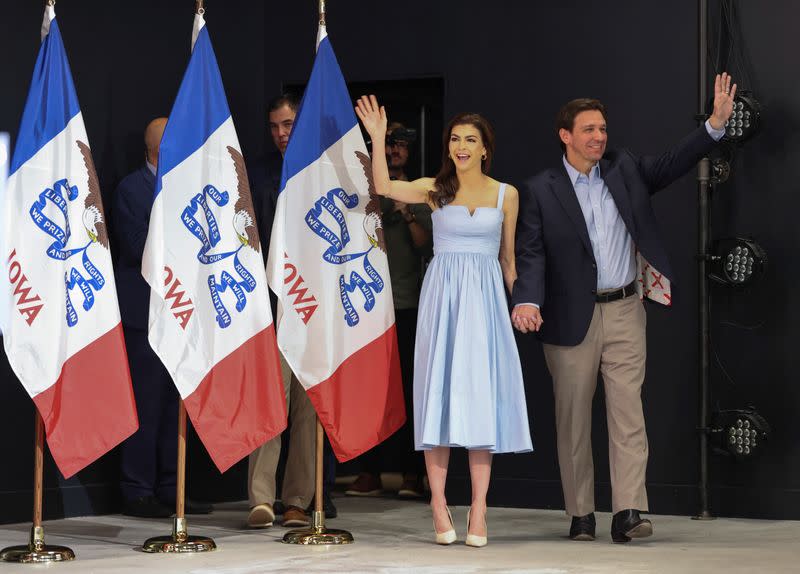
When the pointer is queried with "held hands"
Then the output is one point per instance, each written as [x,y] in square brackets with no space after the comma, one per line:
[723,101]
[526,318]
[401,207]
[372,116]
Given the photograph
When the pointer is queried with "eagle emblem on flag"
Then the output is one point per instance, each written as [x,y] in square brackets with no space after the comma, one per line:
[60,196]
[209,233]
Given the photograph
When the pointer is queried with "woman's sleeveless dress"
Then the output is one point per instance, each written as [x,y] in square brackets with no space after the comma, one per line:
[468,388]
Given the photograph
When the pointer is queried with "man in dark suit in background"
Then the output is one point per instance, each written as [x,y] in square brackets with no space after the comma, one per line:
[586,229]
[149,457]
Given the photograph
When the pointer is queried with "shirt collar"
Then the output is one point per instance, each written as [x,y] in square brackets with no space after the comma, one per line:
[574,174]
[151,167]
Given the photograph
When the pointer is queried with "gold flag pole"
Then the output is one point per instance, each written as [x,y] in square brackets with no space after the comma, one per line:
[317,533]
[36,551]
[179,540]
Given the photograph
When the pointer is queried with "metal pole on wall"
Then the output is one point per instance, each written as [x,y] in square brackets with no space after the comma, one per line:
[36,550]
[703,246]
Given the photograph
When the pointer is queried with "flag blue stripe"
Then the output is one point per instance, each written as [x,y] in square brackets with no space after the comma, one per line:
[200,108]
[325,115]
[52,101]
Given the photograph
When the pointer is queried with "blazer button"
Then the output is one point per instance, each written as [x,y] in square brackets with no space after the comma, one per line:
[594,291]
[594,265]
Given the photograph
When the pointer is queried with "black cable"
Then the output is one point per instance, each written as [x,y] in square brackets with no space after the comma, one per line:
[714,349]
[719,362]
[742,326]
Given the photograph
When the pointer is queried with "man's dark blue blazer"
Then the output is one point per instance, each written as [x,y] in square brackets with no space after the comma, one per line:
[132,205]
[555,264]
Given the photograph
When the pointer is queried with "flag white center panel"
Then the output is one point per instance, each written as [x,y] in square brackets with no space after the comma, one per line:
[335,271]
[62,242]
[213,289]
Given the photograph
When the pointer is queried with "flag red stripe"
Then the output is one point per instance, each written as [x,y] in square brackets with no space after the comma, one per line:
[90,409]
[240,404]
[361,404]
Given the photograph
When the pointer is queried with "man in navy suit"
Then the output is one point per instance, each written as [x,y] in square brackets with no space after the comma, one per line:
[149,457]
[585,232]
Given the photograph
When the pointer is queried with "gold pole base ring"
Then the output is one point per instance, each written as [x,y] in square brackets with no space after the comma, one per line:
[318,536]
[179,541]
[172,544]
[29,555]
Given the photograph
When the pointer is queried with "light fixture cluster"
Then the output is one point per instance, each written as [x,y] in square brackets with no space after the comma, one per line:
[738,262]
[745,119]
[741,433]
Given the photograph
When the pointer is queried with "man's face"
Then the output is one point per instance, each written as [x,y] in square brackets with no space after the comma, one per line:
[281,122]
[397,154]
[586,143]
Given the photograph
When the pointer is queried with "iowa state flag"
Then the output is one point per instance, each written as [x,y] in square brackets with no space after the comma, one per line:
[210,321]
[62,336]
[328,266]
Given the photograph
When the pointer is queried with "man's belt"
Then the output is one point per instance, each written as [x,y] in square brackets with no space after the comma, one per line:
[616,294]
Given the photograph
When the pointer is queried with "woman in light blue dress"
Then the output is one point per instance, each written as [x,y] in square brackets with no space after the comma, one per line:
[468,388]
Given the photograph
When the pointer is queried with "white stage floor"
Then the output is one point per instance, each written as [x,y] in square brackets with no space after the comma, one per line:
[394,536]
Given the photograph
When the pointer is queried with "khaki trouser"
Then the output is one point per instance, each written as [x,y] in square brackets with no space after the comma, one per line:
[615,344]
[298,478]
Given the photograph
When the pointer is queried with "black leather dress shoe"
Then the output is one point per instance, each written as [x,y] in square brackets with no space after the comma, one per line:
[146,507]
[582,527]
[627,524]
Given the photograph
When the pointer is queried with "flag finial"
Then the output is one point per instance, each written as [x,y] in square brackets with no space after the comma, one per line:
[199,7]
[322,12]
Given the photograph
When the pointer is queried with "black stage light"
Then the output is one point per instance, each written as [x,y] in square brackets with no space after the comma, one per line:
[737,262]
[745,119]
[740,432]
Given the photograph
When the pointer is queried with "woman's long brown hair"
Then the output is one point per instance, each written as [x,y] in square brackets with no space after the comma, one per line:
[446,180]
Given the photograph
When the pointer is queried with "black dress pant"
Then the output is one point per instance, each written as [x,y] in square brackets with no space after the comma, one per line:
[149,456]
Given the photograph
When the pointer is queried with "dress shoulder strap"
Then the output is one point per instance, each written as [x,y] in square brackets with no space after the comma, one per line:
[500,195]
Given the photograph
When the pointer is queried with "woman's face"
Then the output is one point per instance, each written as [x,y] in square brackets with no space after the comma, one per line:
[466,147]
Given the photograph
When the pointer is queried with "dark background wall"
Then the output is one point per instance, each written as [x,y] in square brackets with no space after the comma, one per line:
[516,62]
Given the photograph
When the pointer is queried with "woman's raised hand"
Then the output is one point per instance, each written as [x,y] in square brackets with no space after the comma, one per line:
[372,116]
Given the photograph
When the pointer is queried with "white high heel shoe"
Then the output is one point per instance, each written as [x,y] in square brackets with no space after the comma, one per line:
[448,536]
[473,539]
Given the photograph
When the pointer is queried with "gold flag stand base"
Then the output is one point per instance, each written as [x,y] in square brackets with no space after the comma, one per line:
[318,534]
[36,551]
[180,541]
